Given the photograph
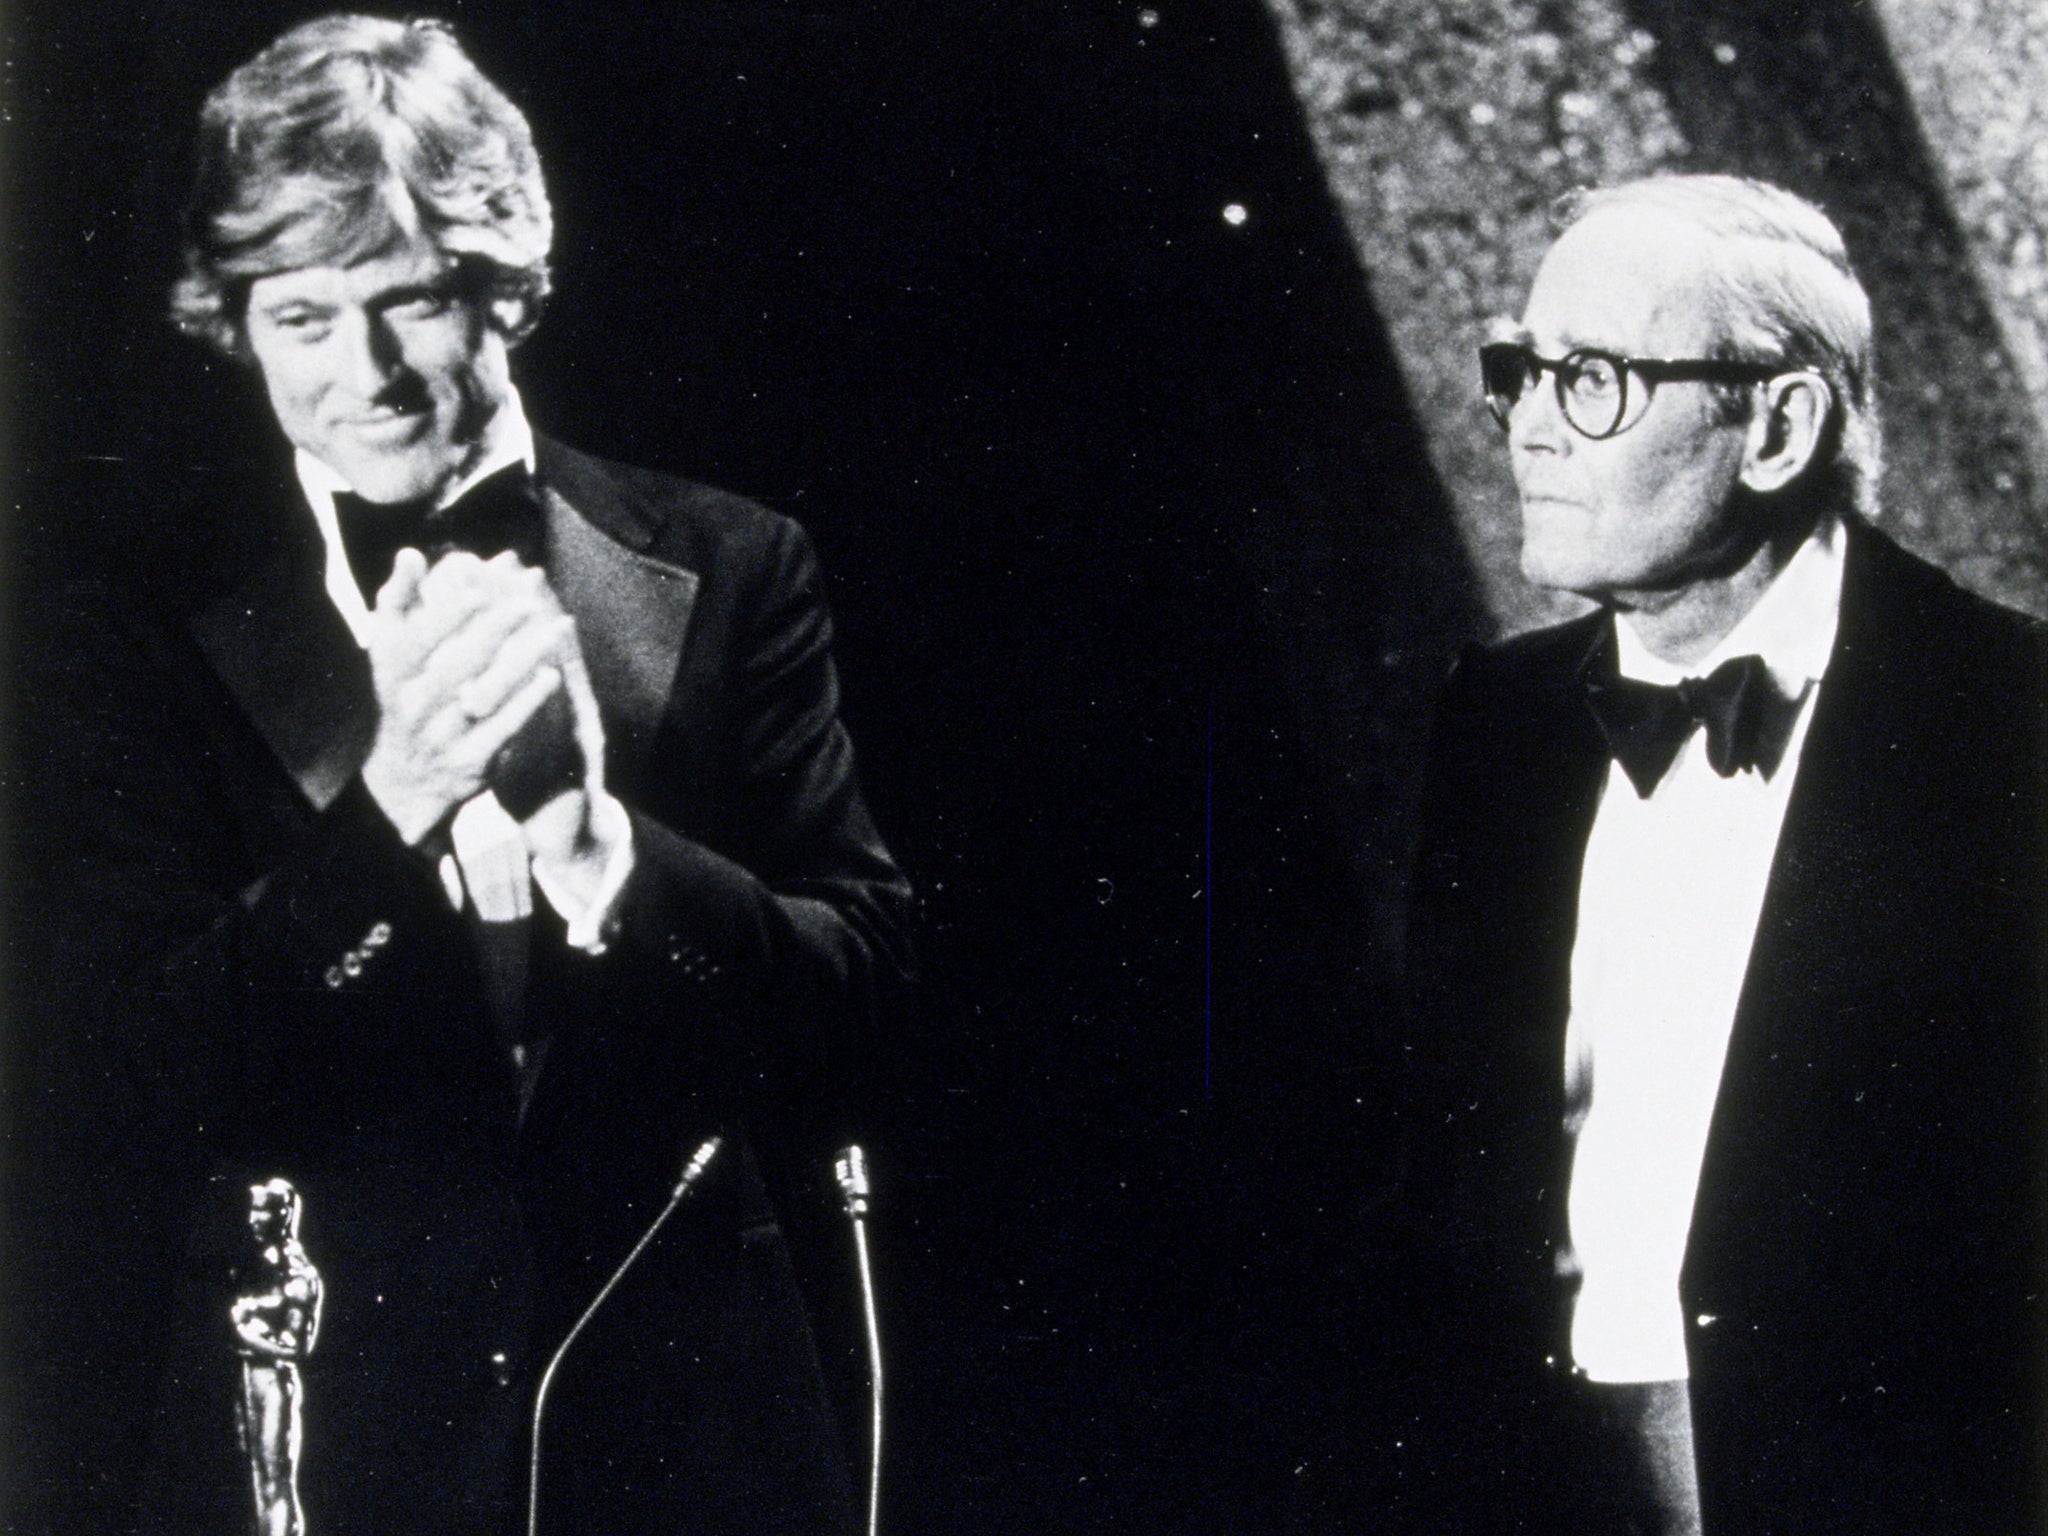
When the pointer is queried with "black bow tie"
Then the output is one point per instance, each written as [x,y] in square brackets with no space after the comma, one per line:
[501,511]
[1748,720]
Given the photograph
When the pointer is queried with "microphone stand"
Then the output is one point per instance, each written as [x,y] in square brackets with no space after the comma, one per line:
[692,1172]
[852,1173]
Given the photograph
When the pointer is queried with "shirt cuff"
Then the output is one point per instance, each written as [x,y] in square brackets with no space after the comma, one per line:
[585,888]
[490,854]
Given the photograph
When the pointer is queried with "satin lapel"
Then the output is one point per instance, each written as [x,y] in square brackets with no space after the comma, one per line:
[1834,854]
[288,659]
[632,614]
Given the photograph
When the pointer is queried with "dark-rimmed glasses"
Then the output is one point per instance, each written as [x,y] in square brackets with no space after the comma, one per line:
[1592,386]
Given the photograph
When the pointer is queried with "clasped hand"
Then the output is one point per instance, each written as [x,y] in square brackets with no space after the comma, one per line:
[480,683]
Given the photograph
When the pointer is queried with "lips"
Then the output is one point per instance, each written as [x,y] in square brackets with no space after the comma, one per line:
[388,428]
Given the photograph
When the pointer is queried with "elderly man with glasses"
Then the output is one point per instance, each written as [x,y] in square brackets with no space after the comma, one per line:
[1720,1202]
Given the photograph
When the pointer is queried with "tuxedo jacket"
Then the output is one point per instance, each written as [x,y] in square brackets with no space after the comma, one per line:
[267,982]
[1860,1285]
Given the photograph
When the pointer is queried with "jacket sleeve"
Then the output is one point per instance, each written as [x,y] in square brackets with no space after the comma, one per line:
[786,913]
[219,949]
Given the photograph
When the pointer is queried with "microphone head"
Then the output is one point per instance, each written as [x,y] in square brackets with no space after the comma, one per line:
[699,1161]
[851,1170]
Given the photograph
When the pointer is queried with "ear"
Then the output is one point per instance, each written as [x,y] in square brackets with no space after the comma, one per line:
[1785,431]
[512,317]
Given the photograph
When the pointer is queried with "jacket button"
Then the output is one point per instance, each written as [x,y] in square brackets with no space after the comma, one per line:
[352,963]
[501,1369]
[334,976]
[378,936]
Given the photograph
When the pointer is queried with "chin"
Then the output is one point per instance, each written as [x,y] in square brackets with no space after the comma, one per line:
[1554,548]
[380,479]
[1554,570]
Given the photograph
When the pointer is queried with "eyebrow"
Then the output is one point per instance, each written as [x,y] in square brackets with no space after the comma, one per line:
[1568,342]
[440,285]
[295,301]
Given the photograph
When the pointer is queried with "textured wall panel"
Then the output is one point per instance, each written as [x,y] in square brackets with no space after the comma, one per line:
[1978,74]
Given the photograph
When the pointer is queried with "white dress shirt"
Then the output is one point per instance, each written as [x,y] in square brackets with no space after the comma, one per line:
[490,864]
[1668,904]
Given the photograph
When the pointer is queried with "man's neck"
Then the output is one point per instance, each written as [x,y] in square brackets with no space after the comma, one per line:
[1684,625]
[505,439]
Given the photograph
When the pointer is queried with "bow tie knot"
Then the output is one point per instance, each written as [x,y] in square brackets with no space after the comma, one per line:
[500,512]
[1748,720]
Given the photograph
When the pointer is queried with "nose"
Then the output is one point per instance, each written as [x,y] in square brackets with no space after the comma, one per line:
[1536,422]
[370,356]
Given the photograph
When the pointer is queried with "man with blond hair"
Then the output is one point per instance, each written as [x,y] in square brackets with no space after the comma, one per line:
[473,832]
[1721,1199]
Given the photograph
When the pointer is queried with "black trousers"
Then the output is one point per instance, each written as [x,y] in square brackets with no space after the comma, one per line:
[1628,1459]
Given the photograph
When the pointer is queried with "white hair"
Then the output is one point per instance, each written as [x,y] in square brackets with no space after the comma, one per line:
[1779,282]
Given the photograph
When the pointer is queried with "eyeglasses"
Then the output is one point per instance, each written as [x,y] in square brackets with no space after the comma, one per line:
[1592,386]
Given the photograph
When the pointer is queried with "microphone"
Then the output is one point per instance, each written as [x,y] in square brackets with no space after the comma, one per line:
[692,1172]
[852,1173]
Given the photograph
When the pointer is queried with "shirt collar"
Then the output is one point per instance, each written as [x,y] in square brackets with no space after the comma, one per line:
[1792,626]
[508,440]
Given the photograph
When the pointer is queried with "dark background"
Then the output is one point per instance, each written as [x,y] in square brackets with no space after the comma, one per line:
[1142,577]
[952,284]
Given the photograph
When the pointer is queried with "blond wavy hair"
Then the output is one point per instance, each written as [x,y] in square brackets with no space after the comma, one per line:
[342,137]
